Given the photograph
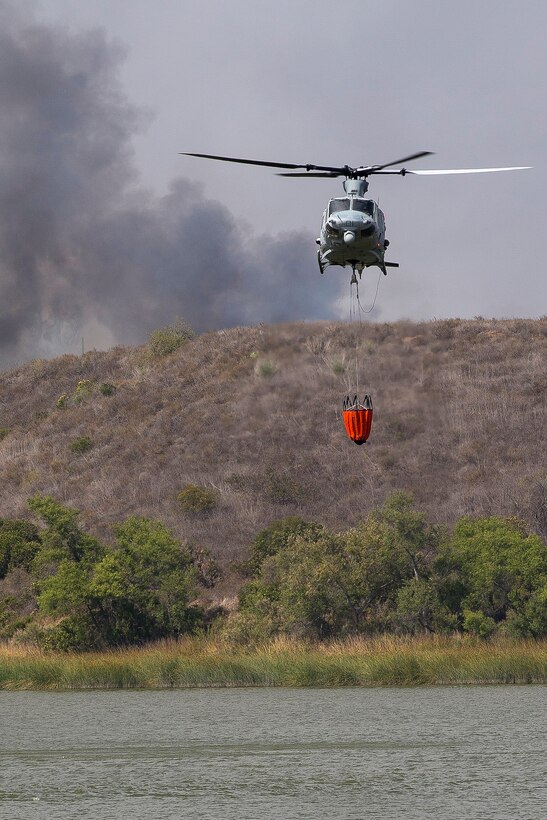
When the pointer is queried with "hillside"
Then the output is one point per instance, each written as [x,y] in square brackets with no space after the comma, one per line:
[460,421]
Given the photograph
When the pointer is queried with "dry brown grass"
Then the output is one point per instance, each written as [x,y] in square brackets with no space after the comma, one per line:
[460,421]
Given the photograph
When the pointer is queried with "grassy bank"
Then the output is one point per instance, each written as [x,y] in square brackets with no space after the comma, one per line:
[204,663]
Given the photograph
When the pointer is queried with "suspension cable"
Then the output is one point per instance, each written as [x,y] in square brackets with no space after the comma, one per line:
[371,308]
[357,310]
[353,313]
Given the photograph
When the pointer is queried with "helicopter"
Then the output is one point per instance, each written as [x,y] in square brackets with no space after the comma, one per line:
[353,229]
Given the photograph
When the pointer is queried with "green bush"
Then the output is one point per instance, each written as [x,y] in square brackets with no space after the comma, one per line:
[107,389]
[81,445]
[198,500]
[265,369]
[478,624]
[73,634]
[3,432]
[167,339]
[83,388]
[276,537]
[13,627]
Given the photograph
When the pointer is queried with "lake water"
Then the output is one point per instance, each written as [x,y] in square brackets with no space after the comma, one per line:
[436,752]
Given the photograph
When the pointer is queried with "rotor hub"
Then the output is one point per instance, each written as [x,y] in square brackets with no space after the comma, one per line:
[355,187]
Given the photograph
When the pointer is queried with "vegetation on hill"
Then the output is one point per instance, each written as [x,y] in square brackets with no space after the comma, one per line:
[251,416]
[63,589]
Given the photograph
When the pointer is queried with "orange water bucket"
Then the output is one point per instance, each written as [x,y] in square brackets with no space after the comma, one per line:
[358,419]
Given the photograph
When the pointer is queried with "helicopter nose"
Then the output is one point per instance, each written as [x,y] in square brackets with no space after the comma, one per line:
[349,237]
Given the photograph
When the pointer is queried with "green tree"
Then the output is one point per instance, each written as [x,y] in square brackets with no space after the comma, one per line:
[140,590]
[409,534]
[307,581]
[19,543]
[159,574]
[61,539]
[277,536]
[503,573]
[419,608]
[65,595]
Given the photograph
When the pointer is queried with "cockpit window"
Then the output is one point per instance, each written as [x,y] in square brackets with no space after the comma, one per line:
[336,205]
[366,206]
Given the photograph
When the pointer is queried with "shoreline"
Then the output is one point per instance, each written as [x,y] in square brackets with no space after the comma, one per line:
[209,663]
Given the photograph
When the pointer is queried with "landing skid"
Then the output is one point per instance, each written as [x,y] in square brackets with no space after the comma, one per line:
[321,265]
[385,265]
[354,267]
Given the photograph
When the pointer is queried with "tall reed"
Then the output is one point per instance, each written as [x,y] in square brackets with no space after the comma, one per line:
[385,661]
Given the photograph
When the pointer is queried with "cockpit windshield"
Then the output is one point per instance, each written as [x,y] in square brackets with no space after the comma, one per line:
[366,206]
[336,205]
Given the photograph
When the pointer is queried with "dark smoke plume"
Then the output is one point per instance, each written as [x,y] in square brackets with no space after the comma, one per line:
[80,243]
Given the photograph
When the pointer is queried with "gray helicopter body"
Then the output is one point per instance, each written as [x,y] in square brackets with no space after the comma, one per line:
[353,231]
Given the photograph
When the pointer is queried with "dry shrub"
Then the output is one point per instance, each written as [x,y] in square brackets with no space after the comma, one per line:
[444,328]
[196,500]
[167,339]
[81,445]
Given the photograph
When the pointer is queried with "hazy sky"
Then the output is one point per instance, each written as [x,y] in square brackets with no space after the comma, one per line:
[291,81]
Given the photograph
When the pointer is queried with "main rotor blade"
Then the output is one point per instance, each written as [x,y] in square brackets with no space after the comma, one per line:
[264,163]
[324,174]
[433,172]
[375,168]
[244,161]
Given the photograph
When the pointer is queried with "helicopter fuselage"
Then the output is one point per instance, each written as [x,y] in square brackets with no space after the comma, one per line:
[352,233]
